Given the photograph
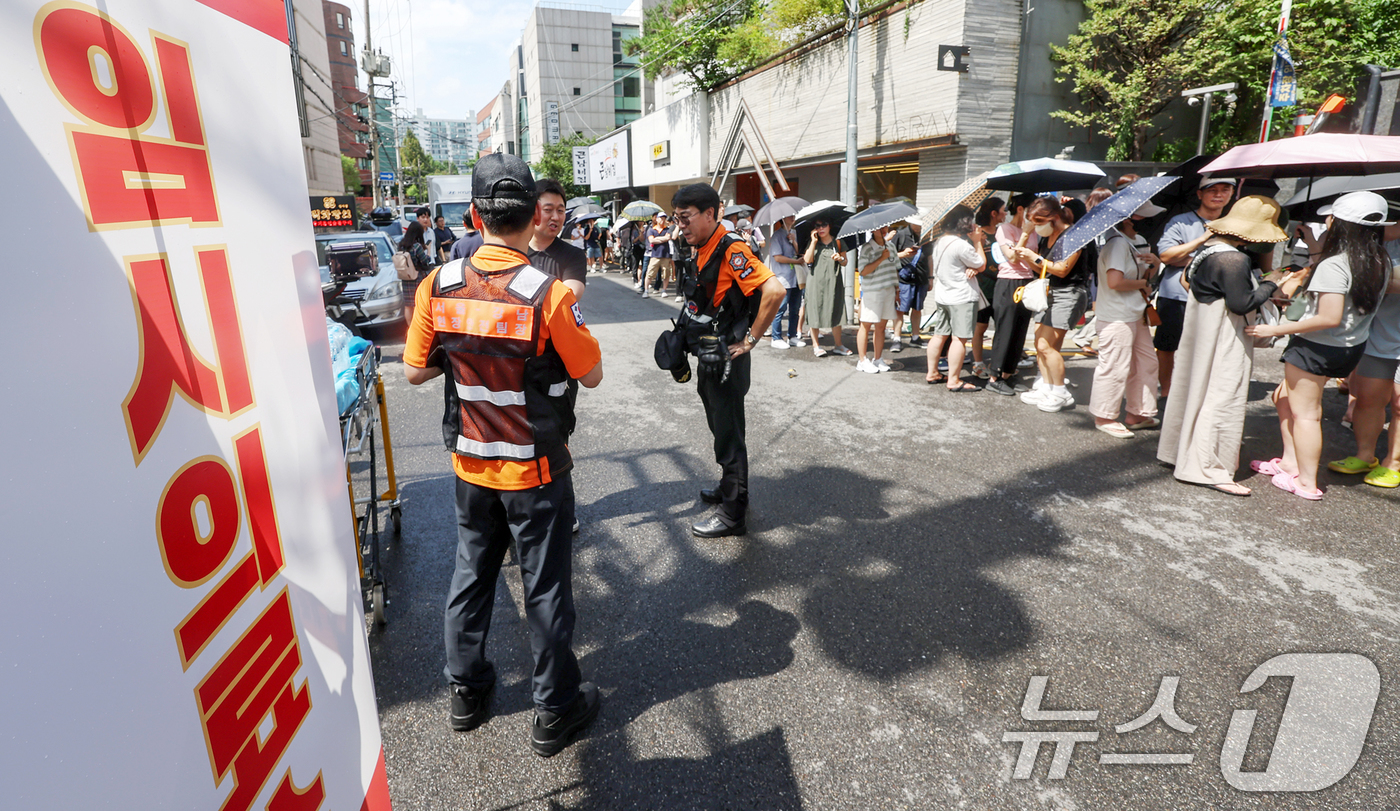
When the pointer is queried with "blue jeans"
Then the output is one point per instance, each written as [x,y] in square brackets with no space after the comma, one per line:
[791,305]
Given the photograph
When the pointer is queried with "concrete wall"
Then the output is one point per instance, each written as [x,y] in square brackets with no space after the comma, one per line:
[321,151]
[684,124]
[553,69]
[800,103]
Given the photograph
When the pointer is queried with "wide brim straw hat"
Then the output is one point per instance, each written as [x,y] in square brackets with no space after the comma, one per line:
[1252,219]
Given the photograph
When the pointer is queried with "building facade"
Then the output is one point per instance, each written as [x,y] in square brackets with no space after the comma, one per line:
[320,148]
[572,76]
[351,103]
[483,128]
[450,140]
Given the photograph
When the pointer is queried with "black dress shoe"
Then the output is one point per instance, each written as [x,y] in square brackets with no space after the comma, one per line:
[710,495]
[469,707]
[551,732]
[715,526]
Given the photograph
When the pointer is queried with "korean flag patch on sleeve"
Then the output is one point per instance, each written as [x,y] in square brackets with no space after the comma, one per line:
[578,314]
[740,263]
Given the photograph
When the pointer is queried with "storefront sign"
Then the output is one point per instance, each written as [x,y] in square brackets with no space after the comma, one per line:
[580,166]
[188,630]
[661,151]
[609,163]
[332,212]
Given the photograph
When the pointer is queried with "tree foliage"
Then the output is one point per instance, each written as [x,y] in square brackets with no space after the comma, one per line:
[712,42]
[414,162]
[557,161]
[350,174]
[1131,59]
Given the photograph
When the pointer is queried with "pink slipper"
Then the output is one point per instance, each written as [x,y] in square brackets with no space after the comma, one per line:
[1268,468]
[1288,483]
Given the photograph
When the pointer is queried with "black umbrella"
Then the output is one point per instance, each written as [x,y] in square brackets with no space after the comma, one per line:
[876,217]
[1312,196]
[1044,174]
[833,211]
[1107,214]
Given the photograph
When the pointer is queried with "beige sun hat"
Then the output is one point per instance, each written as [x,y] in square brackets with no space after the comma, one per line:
[1252,219]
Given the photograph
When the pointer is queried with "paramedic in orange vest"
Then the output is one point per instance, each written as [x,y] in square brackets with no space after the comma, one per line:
[733,299]
[510,337]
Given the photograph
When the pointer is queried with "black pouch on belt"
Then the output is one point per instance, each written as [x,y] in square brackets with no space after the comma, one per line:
[713,355]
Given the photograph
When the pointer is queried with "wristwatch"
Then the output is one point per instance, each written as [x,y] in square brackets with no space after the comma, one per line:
[748,338]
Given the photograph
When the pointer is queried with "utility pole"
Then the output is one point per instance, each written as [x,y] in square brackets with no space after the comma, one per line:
[1193,97]
[848,178]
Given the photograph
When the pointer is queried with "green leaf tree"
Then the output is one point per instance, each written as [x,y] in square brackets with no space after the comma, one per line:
[414,163]
[1131,59]
[350,174]
[557,161]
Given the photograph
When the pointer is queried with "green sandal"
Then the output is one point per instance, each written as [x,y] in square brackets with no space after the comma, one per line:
[1352,465]
[1384,477]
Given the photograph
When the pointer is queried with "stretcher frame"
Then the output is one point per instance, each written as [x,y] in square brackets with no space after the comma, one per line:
[358,426]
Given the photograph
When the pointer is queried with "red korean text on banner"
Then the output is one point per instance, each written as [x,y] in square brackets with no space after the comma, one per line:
[168,364]
[98,71]
[252,680]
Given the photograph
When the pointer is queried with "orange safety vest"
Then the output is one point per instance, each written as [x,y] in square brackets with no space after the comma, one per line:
[509,397]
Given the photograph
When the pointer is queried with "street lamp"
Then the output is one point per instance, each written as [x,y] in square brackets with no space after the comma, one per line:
[1194,96]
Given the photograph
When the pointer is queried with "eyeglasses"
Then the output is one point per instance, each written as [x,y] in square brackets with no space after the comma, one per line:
[684,219]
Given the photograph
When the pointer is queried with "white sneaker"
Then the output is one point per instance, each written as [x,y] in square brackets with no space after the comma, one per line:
[881,365]
[796,342]
[1053,402]
[896,346]
[646,294]
[1039,384]
[866,366]
[1035,396]
[680,298]
[779,343]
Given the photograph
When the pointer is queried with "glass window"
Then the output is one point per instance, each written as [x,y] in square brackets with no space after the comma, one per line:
[577,90]
[344,50]
[573,46]
[340,21]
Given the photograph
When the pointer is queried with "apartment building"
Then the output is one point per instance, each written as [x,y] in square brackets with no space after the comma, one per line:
[451,140]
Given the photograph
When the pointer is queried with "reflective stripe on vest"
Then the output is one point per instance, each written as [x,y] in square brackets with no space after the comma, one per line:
[494,450]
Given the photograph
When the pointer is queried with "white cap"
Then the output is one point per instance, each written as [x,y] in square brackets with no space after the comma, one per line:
[1148,210]
[1207,182]
[1362,207]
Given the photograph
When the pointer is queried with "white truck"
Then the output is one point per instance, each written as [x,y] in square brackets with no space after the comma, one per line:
[448,197]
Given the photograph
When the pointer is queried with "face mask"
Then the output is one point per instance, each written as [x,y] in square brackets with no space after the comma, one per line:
[1045,229]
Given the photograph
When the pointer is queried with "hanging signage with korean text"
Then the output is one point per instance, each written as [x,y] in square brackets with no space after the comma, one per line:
[661,151]
[188,630]
[580,166]
[609,163]
[551,115]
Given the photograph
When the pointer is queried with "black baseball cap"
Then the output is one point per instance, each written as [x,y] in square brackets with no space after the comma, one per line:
[502,177]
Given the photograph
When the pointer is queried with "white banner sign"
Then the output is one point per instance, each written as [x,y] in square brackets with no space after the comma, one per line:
[580,166]
[551,109]
[609,164]
[185,621]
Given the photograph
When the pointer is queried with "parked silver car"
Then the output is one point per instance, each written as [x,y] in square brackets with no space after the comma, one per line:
[380,296]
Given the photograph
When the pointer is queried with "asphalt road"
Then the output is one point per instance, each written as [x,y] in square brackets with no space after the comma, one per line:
[914,559]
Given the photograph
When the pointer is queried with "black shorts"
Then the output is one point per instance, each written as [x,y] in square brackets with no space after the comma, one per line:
[984,315]
[1168,336]
[1320,359]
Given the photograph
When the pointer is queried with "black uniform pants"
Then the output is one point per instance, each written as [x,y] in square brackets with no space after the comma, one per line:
[1012,320]
[540,521]
[724,411]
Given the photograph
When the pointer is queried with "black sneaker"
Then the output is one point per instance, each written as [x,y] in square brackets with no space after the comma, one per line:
[917,343]
[552,732]
[469,707]
[1001,387]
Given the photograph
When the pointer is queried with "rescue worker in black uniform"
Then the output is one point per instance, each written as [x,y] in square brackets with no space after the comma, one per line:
[511,337]
[730,300]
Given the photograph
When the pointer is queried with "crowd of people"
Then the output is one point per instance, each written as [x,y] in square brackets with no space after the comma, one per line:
[1173,325]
